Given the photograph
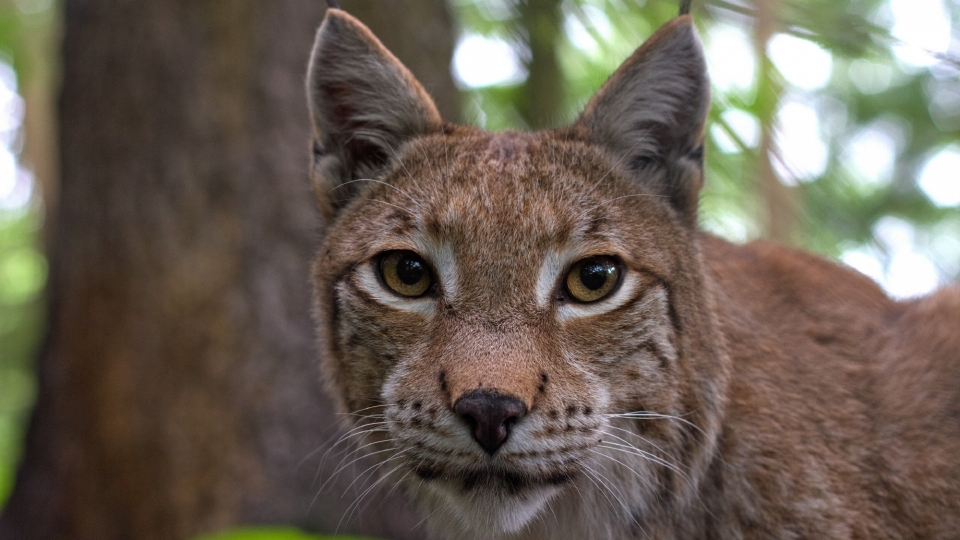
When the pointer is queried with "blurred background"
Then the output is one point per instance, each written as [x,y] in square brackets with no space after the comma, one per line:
[835,127]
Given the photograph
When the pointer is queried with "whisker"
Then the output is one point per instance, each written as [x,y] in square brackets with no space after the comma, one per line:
[637,435]
[407,195]
[379,201]
[622,500]
[625,154]
[642,478]
[380,405]
[584,213]
[342,417]
[356,504]
[394,488]
[338,441]
[334,475]
[341,466]
[645,415]
[634,451]
[610,486]
[590,476]
[643,453]
[365,471]
[357,432]
[400,161]
[426,517]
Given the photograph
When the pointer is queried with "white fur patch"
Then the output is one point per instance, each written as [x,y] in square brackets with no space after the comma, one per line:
[553,264]
[440,255]
[492,511]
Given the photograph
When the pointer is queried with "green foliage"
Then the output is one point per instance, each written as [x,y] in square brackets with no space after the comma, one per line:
[837,211]
[22,276]
[23,267]
[271,533]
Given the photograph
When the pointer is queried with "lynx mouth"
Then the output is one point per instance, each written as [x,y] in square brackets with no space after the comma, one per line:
[494,499]
[493,478]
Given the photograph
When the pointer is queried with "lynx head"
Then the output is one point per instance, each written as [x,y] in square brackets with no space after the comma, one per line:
[519,318]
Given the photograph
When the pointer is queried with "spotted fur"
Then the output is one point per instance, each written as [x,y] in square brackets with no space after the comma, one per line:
[720,391]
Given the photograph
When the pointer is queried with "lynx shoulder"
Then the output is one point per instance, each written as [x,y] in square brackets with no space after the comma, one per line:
[536,334]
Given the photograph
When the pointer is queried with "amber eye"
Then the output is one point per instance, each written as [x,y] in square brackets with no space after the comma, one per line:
[405,273]
[592,279]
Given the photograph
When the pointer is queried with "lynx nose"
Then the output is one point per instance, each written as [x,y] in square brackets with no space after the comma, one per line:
[490,416]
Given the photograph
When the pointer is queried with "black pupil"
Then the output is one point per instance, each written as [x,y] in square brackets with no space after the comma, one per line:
[410,270]
[594,274]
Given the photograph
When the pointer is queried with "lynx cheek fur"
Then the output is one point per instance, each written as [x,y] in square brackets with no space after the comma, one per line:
[535,338]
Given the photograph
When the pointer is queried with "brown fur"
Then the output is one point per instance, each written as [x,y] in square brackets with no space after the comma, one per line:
[783,396]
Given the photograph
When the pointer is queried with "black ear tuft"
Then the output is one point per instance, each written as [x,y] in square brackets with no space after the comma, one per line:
[651,113]
[364,104]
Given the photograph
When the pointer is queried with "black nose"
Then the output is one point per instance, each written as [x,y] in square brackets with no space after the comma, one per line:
[490,416]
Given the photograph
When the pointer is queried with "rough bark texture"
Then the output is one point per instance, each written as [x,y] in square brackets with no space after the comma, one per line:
[179,389]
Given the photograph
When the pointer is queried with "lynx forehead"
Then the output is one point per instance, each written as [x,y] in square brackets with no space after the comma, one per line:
[533,337]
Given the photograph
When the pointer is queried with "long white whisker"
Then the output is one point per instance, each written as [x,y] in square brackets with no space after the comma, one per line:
[610,486]
[348,434]
[342,466]
[394,488]
[368,469]
[407,195]
[351,413]
[356,504]
[381,202]
[653,458]
[642,478]
[584,213]
[334,475]
[357,432]
[644,415]
[624,156]
[622,499]
[400,161]
[637,435]
[627,447]
[425,517]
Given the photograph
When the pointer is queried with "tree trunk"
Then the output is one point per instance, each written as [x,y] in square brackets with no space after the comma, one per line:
[179,388]
[422,35]
[778,199]
[541,105]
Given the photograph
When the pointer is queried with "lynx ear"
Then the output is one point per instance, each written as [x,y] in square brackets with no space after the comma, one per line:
[364,103]
[650,114]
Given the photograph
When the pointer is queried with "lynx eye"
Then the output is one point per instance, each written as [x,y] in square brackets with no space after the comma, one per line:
[406,273]
[592,279]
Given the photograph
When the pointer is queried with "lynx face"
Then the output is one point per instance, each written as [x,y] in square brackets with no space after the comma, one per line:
[505,312]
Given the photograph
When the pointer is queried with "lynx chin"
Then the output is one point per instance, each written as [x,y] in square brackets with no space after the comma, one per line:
[531,334]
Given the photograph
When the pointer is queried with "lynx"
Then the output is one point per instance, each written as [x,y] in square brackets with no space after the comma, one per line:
[533,337]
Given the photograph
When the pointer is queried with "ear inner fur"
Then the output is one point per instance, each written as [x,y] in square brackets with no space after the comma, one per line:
[365,104]
[650,115]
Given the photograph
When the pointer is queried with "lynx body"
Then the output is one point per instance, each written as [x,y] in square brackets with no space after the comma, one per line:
[537,341]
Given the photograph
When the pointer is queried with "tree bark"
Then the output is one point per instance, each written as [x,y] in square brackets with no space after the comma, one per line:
[179,387]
